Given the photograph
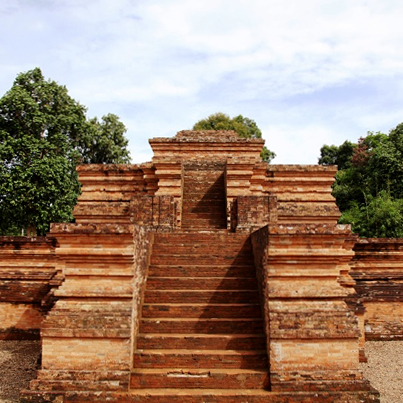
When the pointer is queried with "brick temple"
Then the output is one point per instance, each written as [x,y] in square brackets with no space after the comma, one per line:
[203,276]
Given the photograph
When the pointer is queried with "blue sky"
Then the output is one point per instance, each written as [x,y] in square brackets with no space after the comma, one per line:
[309,72]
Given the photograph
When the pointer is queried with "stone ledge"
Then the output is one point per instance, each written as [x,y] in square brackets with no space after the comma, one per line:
[204,396]
[95,228]
[302,168]
[114,168]
[206,136]
[310,229]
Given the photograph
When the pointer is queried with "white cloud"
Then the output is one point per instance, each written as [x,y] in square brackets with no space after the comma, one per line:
[295,140]
[175,61]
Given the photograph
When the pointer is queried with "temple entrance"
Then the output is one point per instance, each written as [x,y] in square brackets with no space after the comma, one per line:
[204,198]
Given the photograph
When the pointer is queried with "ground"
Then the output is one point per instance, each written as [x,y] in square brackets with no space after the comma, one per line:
[384,369]
[18,362]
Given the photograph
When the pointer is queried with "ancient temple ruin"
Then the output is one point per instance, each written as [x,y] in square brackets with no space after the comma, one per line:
[203,276]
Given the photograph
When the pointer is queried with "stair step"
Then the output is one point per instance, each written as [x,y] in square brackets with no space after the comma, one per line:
[216,185]
[200,283]
[200,359]
[199,378]
[200,259]
[198,194]
[192,237]
[212,215]
[203,248]
[194,395]
[196,213]
[208,218]
[179,296]
[195,203]
[203,179]
[217,252]
[202,224]
[201,310]
[203,171]
[201,341]
[209,326]
[208,396]
[208,201]
[201,271]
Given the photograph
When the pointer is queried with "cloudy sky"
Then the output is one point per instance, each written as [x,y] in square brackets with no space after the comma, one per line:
[309,72]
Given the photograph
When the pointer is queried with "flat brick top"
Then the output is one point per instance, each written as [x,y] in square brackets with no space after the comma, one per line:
[310,229]
[302,168]
[380,240]
[90,228]
[207,136]
[18,241]
[379,244]
[113,167]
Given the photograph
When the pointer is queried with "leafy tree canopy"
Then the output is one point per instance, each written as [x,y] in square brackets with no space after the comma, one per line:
[368,187]
[245,127]
[337,155]
[44,133]
[106,143]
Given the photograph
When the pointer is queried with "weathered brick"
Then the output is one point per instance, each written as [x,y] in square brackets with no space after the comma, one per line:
[201,308]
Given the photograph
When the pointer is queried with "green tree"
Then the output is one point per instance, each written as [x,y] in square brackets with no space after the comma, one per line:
[44,133]
[380,216]
[106,143]
[337,155]
[39,123]
[368,189]
[384,167]
[245,127]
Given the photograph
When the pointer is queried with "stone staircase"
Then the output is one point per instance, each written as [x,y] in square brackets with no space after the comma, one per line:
[201,335]
[204,200]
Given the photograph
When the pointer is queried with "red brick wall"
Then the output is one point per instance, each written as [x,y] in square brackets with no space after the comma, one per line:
[27,276]
[377,268]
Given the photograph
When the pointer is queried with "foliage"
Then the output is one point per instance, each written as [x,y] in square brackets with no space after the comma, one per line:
[44,133]
[245,127]
[106,143]
[337,155]
[380,217]
[345,188]
[368,187]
